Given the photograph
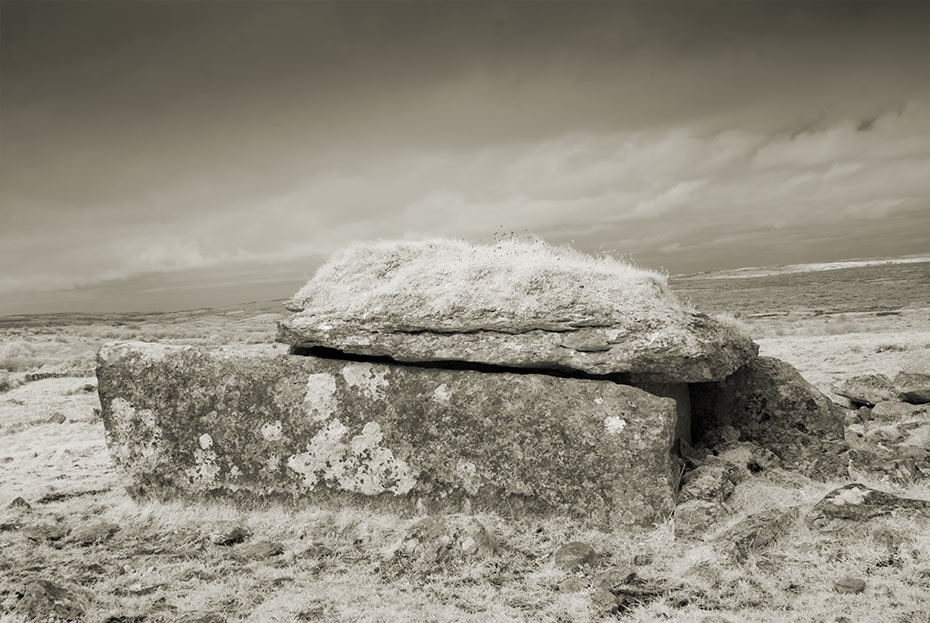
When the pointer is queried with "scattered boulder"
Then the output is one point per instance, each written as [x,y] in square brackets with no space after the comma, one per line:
[771,404]
[757,531]
[893,411]
[913,387]
[20,503]
[867,389]
[573,556]
[45,600]
[899,451]
[251,423]
[849,585]
[443,540]
[57,418]
[229,534]
[516,305]
[855,503]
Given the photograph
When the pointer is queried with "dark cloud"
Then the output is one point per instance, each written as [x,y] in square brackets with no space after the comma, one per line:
[153,138]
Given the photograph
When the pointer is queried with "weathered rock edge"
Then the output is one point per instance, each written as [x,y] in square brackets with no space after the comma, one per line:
[253,423]
[696,348]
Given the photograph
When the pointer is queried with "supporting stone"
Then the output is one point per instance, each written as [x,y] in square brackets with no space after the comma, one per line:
[770,403]
[255,423]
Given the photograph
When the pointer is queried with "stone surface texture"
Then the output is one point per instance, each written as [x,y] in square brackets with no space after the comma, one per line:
[255,423]
[695,348]
[771,404]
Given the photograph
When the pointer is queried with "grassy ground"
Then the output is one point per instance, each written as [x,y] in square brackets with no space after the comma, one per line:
[158,562]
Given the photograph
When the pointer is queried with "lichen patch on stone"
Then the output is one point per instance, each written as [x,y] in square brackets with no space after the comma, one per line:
[442,394]
[614,423]
[320,399]
[135,435]
[204,470]
[850,496]
[272,431]
[366,377]
[467,474]
[359,464]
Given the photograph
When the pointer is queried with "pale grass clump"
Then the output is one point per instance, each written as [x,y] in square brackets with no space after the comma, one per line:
[453,281]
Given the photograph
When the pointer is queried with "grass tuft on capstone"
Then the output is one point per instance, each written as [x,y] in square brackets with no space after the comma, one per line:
[515,303]
[444,283]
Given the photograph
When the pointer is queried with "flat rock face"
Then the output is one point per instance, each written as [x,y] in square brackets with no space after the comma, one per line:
[770,403]
[857,503]
[695,348]
[913,387]
[516,305]
[254,423]
[867,389]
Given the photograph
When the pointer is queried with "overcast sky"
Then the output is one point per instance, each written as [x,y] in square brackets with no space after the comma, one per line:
[178,154]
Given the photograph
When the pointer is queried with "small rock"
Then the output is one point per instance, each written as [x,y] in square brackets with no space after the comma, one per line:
[695,517]
[913,387]
[605,602]
[614,577]
[229,534]
[642,560]
[713,481]
[573,556]
[46,532]
[57,418]
[856,503]
[94,533]
[849,585]
[721,435]
[851,417]
[867,389]
[757,531]
[894,411]
[20,503]
[261,549]
[449,539]
[572,585]
[46,600]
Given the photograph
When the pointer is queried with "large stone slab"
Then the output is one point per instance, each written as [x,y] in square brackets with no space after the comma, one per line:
[516,305]
[255,423]
[770,403]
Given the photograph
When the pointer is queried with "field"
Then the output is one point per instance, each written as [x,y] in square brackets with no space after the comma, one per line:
[123,561]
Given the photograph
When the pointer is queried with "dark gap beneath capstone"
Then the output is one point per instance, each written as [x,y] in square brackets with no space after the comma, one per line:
[323,352]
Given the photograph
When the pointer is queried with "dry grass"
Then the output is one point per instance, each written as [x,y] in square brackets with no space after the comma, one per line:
[453,282]
[161,563]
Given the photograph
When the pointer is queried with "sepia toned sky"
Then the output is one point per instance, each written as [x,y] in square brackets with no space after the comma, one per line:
[166,155]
